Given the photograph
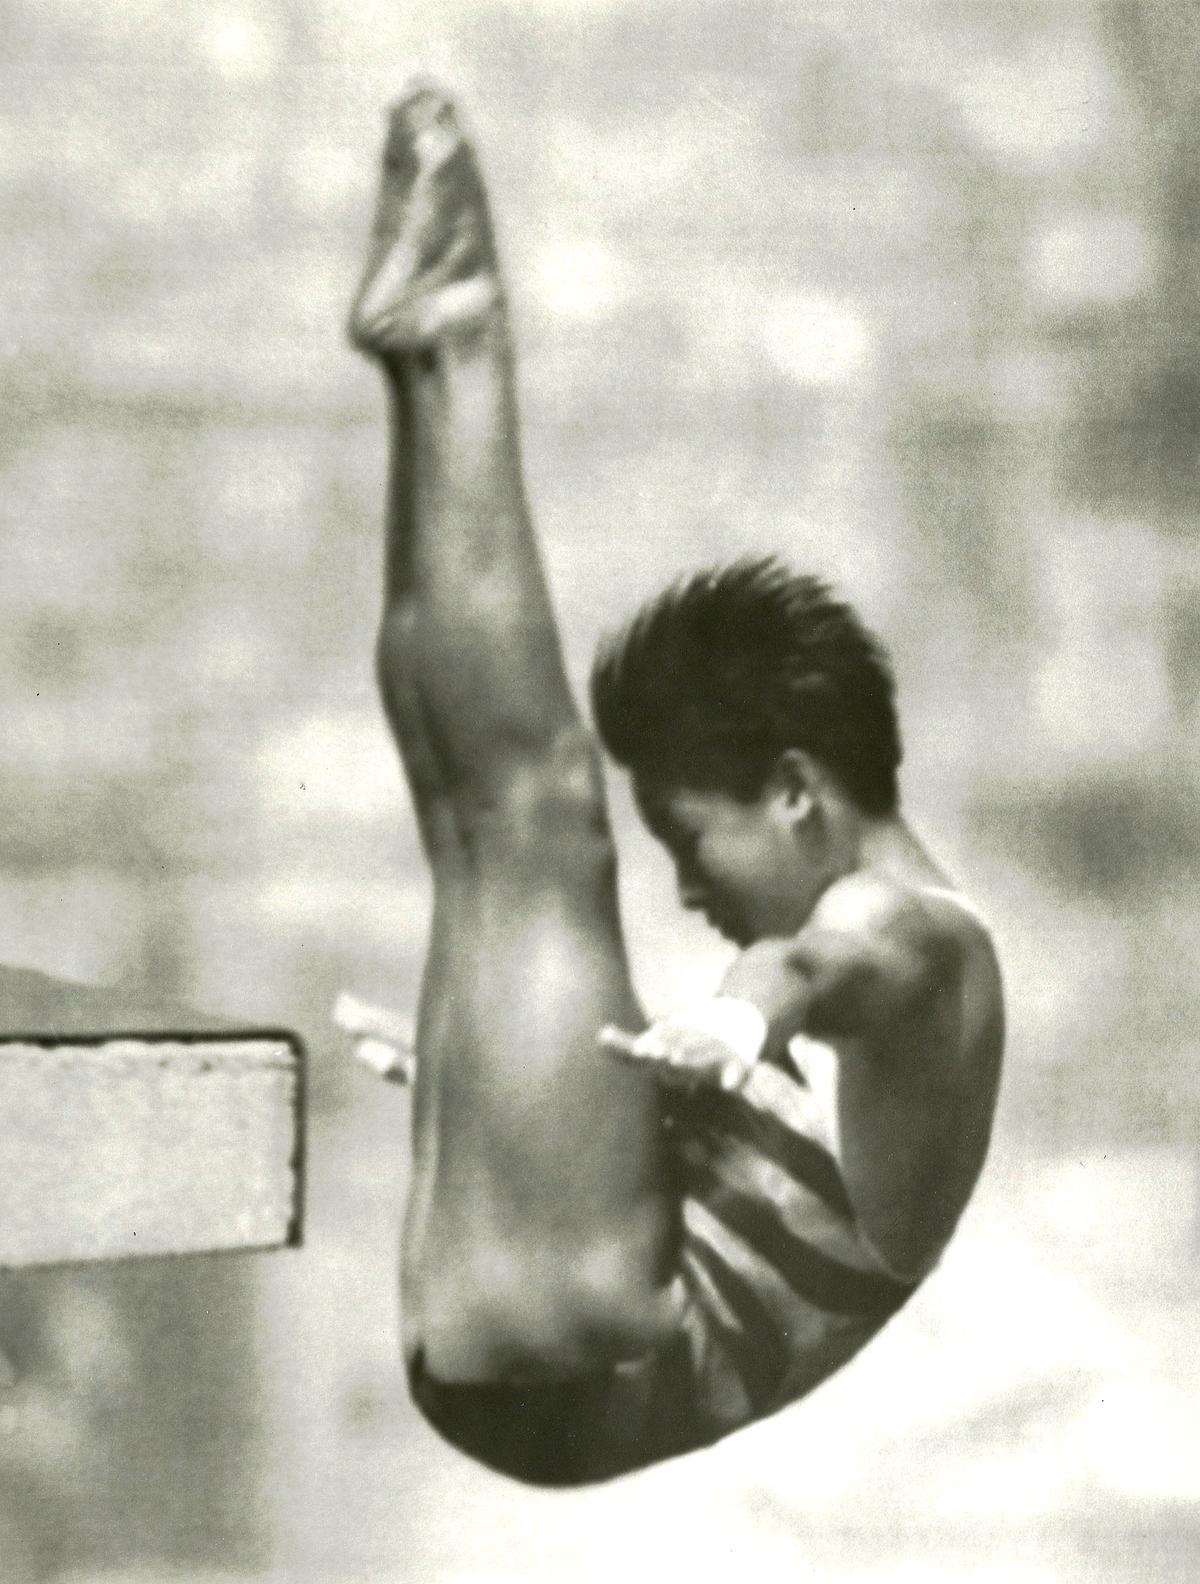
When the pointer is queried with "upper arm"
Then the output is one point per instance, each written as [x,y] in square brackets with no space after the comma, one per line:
[868,979]
[867,959]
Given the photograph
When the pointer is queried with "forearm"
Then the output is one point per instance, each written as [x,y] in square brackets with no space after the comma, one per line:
[781,988]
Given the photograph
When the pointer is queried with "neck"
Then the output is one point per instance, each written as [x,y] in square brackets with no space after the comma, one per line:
[889,847]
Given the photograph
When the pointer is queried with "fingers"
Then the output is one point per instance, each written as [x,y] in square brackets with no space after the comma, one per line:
[734,1075]
[619,1041]
[645,1049]
[356,1016]
[380,1038]
[675,1056]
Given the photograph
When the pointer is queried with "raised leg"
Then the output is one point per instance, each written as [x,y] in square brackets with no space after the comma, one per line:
[540,1232]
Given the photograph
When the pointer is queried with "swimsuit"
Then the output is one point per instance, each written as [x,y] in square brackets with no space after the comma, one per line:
[780,1286]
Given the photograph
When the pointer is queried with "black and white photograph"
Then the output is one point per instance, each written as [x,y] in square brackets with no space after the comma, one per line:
[599,893]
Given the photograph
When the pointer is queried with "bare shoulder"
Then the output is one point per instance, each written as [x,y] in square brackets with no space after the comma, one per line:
[927,919]
[900,950]
[878,961]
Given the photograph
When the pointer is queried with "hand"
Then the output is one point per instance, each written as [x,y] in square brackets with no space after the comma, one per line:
[712,1044]
[384,1040]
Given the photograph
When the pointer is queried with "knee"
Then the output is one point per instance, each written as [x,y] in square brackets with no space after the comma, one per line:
[548,802]
[559,791]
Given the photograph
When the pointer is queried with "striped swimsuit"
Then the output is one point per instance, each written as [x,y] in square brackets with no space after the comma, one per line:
[778,1286]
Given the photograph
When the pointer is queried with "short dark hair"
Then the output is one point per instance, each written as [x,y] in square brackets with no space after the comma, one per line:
[712,681]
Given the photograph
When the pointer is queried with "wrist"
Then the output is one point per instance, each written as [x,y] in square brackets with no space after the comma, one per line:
[738,1024]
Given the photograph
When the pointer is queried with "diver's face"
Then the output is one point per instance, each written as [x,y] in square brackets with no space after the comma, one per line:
[743,865]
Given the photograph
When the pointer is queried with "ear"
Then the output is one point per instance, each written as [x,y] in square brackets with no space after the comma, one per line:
[796,783]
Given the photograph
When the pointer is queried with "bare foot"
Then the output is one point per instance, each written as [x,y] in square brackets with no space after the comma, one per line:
[431,270]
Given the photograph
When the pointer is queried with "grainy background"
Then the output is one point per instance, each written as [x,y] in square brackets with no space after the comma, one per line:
[903,288]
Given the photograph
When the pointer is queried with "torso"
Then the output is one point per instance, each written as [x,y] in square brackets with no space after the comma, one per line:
[819,1196]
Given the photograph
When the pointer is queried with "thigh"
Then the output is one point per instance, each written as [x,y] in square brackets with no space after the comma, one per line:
[542,1214]
[520,975]
[443,1026]
[536,1155]
[537,968]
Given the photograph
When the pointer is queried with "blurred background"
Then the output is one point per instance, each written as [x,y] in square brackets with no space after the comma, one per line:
[903,289]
